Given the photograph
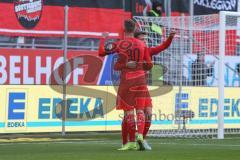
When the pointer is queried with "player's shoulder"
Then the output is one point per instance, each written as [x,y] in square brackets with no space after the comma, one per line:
[139,42]
[133,41]
[126,40]
[136,40]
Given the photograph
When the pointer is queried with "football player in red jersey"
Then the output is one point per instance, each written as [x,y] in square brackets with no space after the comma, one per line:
[156,50]
[111,48]
[148,106]
[133,60]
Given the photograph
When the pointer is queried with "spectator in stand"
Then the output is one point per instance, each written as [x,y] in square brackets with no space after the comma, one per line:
[155,29]
[200,70]
[238,69]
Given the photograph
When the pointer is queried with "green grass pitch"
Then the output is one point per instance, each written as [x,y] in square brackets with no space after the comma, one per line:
[103,147]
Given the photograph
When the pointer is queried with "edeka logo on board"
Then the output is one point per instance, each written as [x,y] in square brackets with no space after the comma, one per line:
[16,112]
[28,12]
[78,109]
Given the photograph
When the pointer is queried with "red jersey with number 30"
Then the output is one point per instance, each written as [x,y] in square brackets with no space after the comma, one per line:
[132,91]
[132,49]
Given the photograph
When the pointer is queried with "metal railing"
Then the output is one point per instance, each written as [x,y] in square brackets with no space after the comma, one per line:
[48,43]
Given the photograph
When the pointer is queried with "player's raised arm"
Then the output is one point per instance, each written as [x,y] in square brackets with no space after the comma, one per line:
[147,65]
[101,49]
[107,49]
[163,46]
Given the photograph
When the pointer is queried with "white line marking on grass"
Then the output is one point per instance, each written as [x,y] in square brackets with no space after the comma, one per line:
[52,142]
[203,144]
[119,143]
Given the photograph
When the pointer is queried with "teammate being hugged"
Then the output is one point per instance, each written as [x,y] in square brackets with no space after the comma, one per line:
[148,105]
[159,48]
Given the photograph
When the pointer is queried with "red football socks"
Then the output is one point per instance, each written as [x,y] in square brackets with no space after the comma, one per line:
[146,127]
[131,127]
[140,122]
[124,131]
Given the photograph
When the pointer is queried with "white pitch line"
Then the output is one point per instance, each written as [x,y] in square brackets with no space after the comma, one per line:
[203,144]
[51,142]
[111,142]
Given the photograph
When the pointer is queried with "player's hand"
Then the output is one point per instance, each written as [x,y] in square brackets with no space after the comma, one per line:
[131,64]
[147,66]
[172,32]
[105,34]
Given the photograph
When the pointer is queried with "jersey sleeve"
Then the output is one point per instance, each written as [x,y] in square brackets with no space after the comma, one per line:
[106,49]
[101,50]
[148,61]
[161,47]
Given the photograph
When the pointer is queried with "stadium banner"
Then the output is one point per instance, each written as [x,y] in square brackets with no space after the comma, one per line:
[108,75]
[42,66]
[46,17]
[35,108]
[214,6]
[232,79]
[201,7]
[139,7]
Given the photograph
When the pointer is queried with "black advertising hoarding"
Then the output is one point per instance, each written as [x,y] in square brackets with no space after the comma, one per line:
[181,6]
[111,4]
[202,7]
[177,6]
